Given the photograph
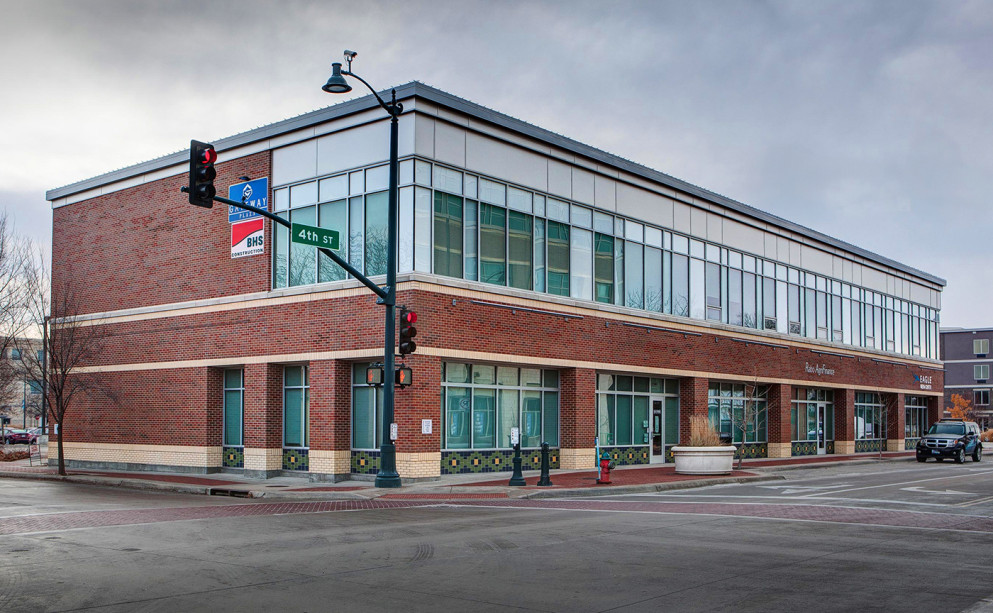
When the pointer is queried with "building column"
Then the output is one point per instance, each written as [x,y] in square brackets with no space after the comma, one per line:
[263,420]
[577,418]
[215,419]
[844,421]
[935,409]
[896,421]
[692,401]
[330,455]
[780,435]
[418,455]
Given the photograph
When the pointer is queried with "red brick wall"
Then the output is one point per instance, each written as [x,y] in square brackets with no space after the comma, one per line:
[148,245]
[844,415]
[422,400]
[896,415]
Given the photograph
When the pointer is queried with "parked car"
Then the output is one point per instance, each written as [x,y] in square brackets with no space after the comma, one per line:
[951,438]
[22,437]
[10,432]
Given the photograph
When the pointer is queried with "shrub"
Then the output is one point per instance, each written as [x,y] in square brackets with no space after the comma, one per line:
[702,432]
[987,436]
[10,456]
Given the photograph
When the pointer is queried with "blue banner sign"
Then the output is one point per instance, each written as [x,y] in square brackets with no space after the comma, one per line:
[253,193]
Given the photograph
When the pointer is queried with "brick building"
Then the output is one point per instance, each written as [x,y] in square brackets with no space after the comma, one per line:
[560,289]
[967,358]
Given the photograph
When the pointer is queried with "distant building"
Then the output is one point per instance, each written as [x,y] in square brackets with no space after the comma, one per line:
[21,401]
[968,361]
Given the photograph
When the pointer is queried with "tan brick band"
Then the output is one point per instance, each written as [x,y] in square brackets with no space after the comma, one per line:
[419,465]
[263,459]
[162,455]
[844,447]
[572,459]
[330,462]
[780,450]
[895,444]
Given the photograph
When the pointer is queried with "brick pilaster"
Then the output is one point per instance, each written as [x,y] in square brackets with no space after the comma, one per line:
[692,401]
[577,417]
[896,420]
[779,430]
[263,419]
[844,421]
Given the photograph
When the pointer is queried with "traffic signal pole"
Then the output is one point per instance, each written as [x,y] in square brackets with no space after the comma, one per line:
[387,475]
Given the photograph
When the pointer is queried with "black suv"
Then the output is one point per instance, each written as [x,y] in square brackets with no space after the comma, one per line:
[951,438]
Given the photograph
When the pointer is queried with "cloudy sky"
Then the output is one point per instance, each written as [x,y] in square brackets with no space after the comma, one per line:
[869,121]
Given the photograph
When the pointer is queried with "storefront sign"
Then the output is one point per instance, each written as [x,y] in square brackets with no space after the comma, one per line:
[248,238]
[818,369]
[254,193]
[924,380]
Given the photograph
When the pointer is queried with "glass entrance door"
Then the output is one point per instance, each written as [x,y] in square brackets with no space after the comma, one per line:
[657,431]
[821,440]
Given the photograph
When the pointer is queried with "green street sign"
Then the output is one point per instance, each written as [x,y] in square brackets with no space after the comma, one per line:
[312,235]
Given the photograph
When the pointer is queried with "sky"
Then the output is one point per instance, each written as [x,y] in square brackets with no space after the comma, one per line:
[869,121]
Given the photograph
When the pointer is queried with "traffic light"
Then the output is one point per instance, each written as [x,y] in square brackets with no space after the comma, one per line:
[202,173]
[407,331]
[403,376]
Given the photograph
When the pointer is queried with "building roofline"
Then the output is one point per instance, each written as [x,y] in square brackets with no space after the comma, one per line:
[415,89]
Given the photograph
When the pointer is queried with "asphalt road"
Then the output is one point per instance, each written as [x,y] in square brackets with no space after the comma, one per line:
[867,540]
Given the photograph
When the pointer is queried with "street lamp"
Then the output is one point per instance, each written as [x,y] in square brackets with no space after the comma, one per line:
[387,476]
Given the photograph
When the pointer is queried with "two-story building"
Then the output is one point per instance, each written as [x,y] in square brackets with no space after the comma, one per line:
[560,289]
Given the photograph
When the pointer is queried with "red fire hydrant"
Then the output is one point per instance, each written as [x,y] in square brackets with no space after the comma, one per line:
[605,465]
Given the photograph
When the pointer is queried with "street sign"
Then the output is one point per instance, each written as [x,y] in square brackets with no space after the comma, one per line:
[312,235]
[254,193]
[248,238]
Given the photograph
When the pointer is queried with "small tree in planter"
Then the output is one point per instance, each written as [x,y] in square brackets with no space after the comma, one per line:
[744,421]
[704,454]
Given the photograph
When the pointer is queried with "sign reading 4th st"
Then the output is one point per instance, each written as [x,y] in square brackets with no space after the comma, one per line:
[312,235]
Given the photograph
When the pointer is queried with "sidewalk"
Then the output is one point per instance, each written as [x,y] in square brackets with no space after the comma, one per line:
[625,479]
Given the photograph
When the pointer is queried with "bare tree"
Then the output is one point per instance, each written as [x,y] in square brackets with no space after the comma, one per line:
[15,295]
[70,342]
[744,418]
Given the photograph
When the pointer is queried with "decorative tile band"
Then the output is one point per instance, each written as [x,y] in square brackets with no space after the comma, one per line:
[754,450]
[910,443]
[800,448]
[365,462]
[628,456]
[865,446]
[233,457]
[296,459]
[499,460]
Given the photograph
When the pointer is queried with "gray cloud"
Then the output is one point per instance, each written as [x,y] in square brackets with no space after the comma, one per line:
[866,121]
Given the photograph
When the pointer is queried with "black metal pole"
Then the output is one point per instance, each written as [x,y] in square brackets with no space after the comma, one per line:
[518,477]
[387,475]
[44,375]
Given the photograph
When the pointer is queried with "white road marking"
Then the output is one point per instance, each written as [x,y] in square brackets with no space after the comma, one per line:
[942,492]
[872,487]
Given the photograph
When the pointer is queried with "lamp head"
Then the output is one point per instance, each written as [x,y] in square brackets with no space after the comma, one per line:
[336,83]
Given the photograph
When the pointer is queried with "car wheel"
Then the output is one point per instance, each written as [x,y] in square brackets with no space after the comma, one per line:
[960,456]
[977,454]
[921,459]
[939,459]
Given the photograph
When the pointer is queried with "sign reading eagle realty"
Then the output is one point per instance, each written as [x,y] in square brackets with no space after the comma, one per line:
[248,237]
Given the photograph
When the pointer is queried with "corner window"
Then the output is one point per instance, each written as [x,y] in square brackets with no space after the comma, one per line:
[296,407]
[234,404]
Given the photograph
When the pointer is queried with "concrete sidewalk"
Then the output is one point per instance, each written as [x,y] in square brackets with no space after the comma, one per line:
[626,479]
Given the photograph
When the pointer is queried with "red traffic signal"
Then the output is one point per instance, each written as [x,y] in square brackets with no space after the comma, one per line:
[407,331]
[202,174]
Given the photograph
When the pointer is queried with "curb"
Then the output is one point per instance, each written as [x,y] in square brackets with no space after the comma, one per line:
[134,484]
[646,487]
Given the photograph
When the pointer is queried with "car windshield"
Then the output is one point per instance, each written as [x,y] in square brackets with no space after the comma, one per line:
[947,429]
